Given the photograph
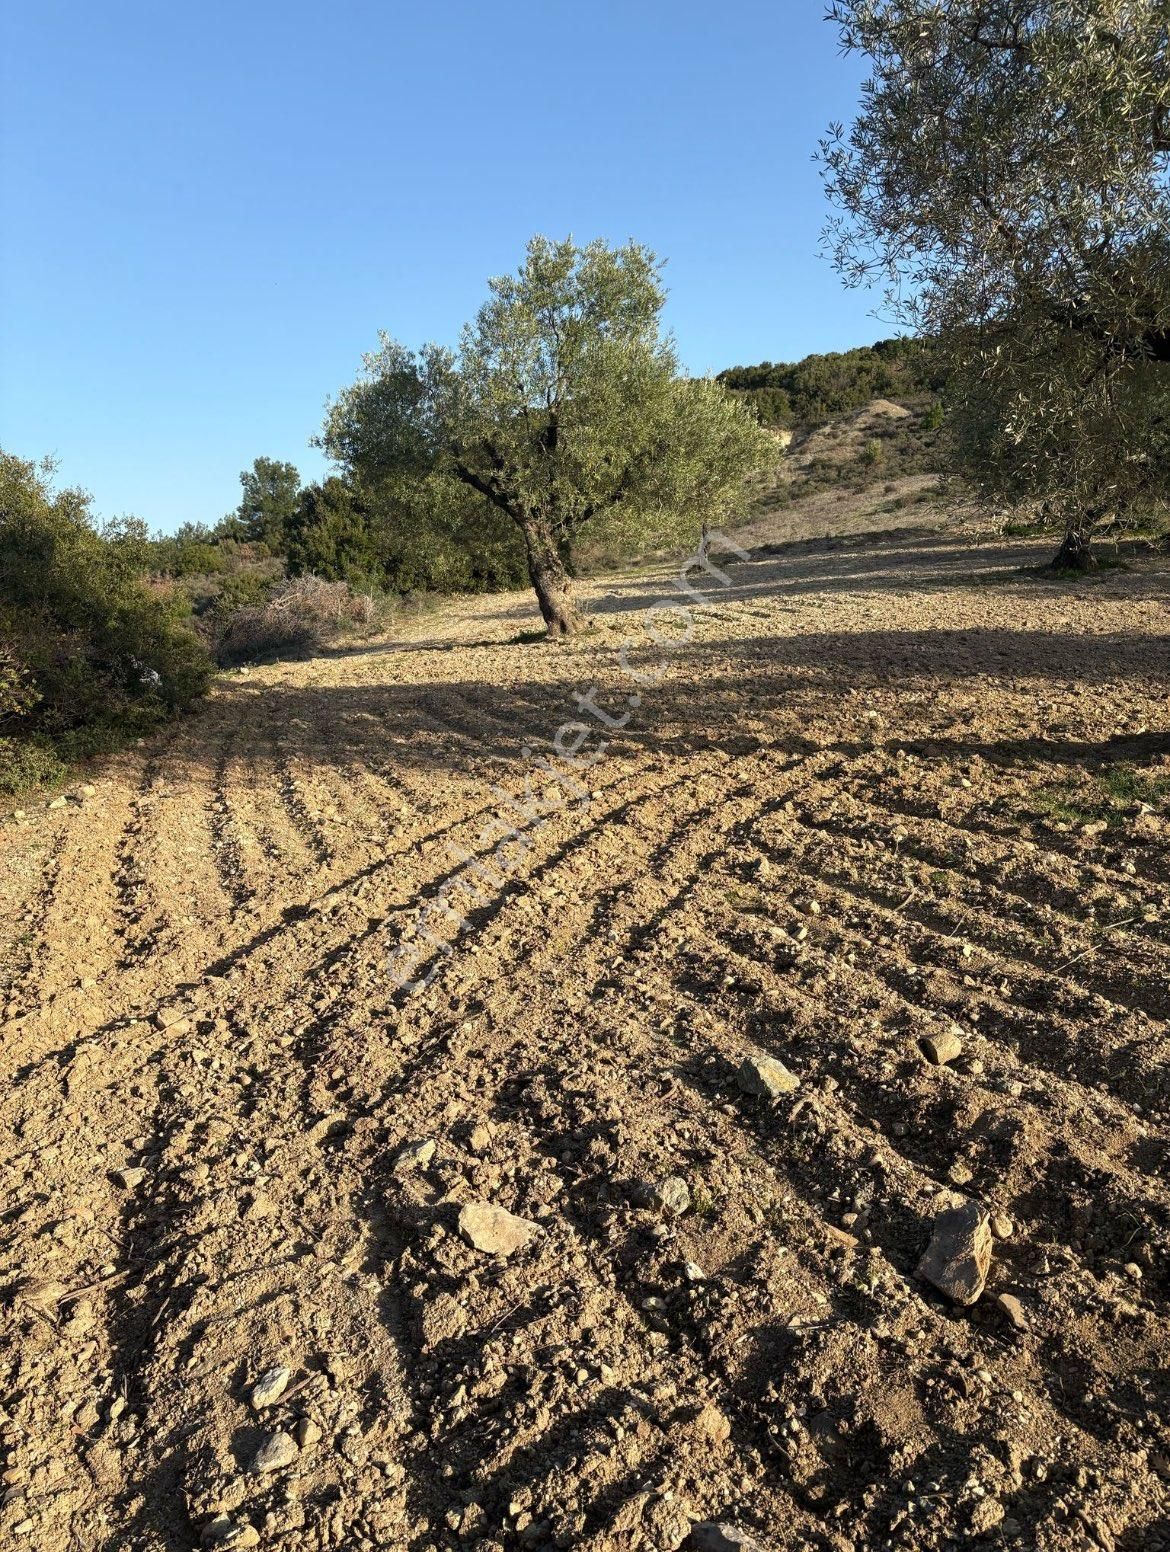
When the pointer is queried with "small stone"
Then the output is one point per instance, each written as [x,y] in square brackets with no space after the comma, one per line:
[960,1173]
[173,1017]
[416,1155]
[308,1432]
[712,1425]
[129,1179]
[56,803]
[841,1237]
[958,1257]
[721,1536]
[766,1078]
[493,1230]
[1002,1226]
[223,1531]
[271,1385]
[673,1196]
[986,1515]
[277,1451]
[479,1139]
[941,1049]
[693,1272]
[1013,1309]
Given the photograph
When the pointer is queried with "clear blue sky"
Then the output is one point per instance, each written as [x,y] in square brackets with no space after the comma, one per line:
[210,209]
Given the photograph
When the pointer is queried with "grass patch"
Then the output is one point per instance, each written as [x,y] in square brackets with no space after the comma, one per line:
[1093,797]
[703,1203]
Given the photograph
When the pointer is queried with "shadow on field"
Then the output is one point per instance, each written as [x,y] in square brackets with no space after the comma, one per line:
[473,714]
[713,698]
[898,561]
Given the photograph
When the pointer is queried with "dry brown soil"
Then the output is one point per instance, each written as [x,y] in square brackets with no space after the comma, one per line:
[888,790]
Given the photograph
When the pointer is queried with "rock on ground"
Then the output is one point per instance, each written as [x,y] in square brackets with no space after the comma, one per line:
[493,1230]
[958,1257]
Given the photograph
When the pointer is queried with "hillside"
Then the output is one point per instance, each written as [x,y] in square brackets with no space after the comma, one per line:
[871,470]
[807,393]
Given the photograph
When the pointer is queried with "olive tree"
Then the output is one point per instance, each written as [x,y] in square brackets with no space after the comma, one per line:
[1007,177]
[563,410]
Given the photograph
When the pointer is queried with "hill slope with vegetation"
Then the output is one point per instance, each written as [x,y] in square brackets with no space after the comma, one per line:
[803,394]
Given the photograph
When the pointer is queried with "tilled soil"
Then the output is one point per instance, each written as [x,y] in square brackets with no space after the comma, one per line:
[884,794]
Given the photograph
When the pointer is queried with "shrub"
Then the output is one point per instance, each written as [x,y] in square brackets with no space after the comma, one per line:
[17,693]
[298,616]
[90,653]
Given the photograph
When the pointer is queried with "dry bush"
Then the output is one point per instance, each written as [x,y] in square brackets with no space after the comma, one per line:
[299,616]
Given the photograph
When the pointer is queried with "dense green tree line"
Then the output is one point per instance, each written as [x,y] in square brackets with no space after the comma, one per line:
[809,392]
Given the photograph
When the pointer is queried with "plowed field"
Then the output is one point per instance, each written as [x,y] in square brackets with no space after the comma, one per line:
[880,793]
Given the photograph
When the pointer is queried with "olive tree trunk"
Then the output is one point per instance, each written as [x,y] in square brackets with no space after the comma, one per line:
[551,581]
[1076,553]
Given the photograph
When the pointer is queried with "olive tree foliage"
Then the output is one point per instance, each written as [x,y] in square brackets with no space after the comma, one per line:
[1006,178]
[562,410]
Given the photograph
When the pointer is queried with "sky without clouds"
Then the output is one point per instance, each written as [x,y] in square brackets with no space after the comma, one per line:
[210,210]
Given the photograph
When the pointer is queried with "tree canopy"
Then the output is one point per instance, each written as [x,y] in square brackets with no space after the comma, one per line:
[1007,178]
[268,502]
[563,409]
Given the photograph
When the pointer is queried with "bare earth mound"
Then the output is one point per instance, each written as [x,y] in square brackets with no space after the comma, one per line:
[553,1255]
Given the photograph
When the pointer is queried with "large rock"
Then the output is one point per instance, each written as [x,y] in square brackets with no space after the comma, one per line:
[415,1155]
[941,1048]
[721,1536]
[958,1257]
[225,1532]
[672,1196]
[767,1078]
[493,1230]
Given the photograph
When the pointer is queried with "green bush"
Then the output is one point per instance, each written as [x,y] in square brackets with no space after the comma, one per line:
[91,653]
[17,694]
[191,551]
[934,416]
